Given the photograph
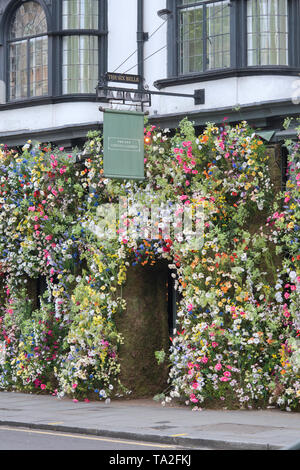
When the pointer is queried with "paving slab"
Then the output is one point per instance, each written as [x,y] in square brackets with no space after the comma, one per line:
[149,421]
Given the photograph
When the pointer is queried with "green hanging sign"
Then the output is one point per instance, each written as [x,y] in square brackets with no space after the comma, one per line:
[123,133]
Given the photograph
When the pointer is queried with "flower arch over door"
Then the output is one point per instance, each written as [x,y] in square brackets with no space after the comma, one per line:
[28,52]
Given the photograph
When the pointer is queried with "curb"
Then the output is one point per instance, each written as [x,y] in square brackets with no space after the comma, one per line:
[209,444]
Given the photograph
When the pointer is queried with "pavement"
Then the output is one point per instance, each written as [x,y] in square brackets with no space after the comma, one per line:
[149,421]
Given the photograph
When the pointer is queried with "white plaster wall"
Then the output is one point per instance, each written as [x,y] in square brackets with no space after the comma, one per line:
[155,65]
[49,116]
[225,93]
[228,92]
[122,29]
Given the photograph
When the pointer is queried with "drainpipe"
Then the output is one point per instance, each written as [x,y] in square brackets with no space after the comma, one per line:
[141,37]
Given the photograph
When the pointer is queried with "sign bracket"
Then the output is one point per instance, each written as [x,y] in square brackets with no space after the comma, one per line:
[139,95]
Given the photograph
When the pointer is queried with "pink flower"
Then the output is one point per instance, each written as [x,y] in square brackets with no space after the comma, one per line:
[193,398]
[74,386]
[218,366]
[214,345]
[31,208]
[224,379]
[43,386]
[227,373]
[204,359]
[48,237]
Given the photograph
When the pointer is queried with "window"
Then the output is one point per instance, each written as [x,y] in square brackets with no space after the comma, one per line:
[204,36]
[210,39]
[28,52]
[80,54]
[267,32]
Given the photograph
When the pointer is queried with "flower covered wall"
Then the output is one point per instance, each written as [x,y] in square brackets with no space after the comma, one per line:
[237,338]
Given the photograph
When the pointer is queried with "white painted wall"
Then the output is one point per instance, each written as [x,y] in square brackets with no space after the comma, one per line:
[122,27]
[48,116]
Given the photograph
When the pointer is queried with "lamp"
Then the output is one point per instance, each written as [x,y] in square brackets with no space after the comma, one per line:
[164,14]
[101,93]
[136,97]
[110,95]
[127,96]
[145,98]
[119,95]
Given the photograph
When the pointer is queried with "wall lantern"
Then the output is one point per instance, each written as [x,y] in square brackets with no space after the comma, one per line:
[164,14]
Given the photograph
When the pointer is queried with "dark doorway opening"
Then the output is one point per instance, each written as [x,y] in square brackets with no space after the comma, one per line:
[147,326]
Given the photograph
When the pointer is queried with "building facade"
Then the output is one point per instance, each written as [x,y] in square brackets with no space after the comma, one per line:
[244,55]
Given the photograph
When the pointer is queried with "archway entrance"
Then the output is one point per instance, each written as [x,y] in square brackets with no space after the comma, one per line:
[146,326]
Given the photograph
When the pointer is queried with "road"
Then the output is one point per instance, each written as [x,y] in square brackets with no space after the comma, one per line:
[17,438]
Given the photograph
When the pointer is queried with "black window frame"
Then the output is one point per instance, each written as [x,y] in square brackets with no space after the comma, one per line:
[10,41]
[55,33]
[204,3]
[238,46]
[101,33]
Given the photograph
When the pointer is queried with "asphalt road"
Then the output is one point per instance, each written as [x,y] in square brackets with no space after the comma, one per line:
[16,438]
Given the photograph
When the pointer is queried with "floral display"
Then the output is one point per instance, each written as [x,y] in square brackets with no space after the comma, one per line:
[237,280]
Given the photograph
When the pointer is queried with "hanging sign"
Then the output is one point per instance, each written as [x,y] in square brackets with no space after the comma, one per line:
[123,133]
[122,78]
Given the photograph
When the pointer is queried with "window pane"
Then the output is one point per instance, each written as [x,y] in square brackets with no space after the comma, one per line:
[39,66]
[28,58]
[267,23]
[191,40]
[80,64]
[18,70]
[218,35]
[80,14]
[28,20]
[204,36]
